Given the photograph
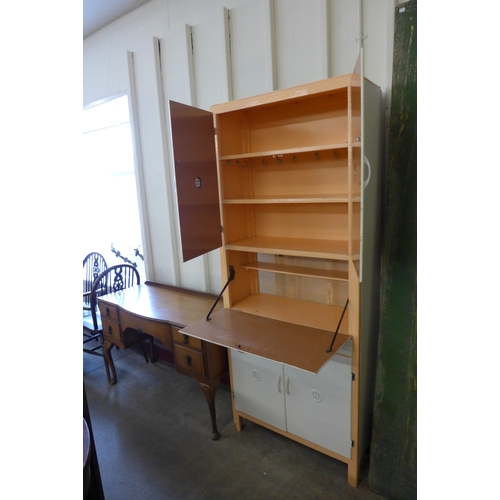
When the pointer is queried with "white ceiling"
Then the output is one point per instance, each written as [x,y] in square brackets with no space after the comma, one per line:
[100,13]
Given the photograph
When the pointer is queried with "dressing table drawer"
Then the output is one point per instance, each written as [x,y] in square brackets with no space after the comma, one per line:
[111,331]
[186,340]
[108,312]
[189,361]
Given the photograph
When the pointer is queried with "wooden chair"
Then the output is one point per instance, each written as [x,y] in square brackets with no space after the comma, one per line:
[111,280]
[93,265]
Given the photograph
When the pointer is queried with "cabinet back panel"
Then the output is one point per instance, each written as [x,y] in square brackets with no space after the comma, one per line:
[322,291]
[307,176]
[320,221]
[315,122]
[304,288]
[316,221]
[301,175]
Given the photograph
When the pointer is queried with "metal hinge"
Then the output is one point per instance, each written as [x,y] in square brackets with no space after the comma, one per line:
[353,444]
[353,377]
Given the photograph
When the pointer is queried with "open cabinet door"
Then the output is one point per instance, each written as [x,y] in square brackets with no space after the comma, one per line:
[196,178]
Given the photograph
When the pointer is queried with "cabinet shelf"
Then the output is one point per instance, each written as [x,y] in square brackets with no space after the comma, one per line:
[338,198]
[310,272]
[300,312]
[323,249]
[270,155]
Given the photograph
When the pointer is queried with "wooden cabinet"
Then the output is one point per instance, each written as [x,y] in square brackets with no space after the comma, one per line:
[299,201]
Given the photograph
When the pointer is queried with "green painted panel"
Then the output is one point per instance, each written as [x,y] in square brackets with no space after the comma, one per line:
[393,457]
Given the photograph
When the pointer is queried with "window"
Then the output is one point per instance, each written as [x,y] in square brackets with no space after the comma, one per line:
[112,222]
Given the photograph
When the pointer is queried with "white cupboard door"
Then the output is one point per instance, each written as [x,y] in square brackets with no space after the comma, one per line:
[258,386]
[318,406]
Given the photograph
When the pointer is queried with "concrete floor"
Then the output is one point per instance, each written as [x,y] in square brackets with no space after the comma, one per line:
[152,435]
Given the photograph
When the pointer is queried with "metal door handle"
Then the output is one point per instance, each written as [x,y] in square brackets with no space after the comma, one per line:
[367,163]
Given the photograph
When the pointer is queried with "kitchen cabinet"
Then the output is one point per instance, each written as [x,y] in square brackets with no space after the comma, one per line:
[298,206]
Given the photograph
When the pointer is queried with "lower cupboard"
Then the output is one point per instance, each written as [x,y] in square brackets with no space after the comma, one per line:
[315,407]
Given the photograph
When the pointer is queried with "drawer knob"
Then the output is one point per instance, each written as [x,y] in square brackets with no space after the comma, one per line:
[107,311]
[186,339]
[188,360]
[110,330]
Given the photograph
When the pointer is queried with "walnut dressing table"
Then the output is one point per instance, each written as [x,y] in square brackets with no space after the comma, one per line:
[160,311]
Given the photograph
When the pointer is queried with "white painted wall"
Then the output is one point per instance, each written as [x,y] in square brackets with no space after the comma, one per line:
[203,52]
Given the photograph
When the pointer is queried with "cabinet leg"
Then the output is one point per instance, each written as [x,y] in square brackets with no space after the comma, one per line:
[238,422]
[109,363]
[209,391]
[353,474]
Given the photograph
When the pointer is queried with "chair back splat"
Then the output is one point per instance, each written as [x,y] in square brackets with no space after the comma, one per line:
[113,279]
[93,265]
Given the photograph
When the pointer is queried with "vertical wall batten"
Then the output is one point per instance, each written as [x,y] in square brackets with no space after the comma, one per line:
[190,64]
[272,68]
[139,171]
[325,38]
[164,133]
[227,52]
[205,264]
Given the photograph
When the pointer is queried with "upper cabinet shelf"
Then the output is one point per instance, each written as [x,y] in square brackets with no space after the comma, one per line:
[327,274]
[319,176]
[323,249]
[317,123]
[290,153]
[340,198]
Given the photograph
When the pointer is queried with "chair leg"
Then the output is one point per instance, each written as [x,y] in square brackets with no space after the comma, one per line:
[109,364]
[144,352]
[152,350]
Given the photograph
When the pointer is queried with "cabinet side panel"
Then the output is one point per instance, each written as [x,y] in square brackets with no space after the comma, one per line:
[371,254]
[232,133]
[245,282]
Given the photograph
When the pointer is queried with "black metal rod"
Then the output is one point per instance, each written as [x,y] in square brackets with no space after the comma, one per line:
[231,278]
[338,326]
